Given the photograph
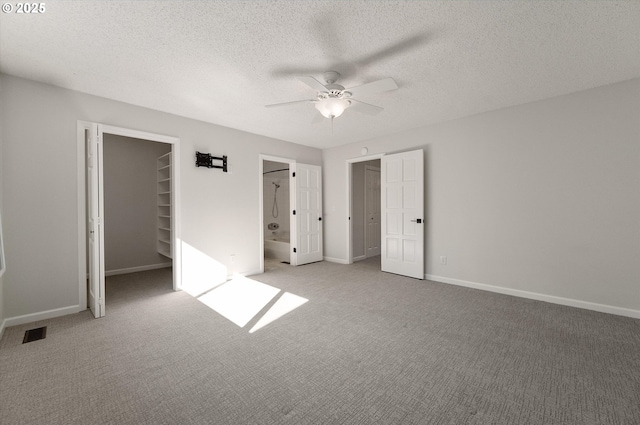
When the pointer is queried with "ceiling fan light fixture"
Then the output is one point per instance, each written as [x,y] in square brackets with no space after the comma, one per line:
[332,107]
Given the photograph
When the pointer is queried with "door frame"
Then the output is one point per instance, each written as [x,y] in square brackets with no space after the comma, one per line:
[292,201]
[83,126]
[349,233]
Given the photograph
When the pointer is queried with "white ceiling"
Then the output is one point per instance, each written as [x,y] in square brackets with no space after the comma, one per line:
[222,61]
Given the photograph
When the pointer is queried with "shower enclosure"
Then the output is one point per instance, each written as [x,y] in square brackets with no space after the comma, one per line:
[276,210]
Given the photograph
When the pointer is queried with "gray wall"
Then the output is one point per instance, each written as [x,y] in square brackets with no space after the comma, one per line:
[219,210]
[130,202]
[542,197]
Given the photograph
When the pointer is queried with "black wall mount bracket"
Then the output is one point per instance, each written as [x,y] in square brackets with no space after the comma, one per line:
[206,160]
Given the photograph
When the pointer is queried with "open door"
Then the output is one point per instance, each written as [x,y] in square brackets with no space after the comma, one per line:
[402,209]
[307,214]
[95,213]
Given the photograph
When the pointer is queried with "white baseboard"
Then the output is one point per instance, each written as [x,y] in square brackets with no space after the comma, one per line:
[137,269]
[335,260]
[359,258]
[42,315]
[603,308]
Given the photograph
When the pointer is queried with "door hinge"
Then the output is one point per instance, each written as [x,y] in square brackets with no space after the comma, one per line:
[294,212]
[294,174]
[294,250]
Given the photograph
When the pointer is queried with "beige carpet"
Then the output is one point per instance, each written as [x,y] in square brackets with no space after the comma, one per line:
[367,347]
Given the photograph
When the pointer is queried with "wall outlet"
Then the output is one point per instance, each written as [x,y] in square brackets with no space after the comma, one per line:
[443,260]
[233,258]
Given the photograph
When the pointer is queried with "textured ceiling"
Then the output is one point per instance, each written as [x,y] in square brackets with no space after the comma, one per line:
[222,61]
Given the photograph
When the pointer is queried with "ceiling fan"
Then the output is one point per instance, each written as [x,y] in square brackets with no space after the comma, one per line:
[332,99]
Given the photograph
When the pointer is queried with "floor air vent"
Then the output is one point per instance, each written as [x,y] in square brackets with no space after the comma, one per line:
[35,334]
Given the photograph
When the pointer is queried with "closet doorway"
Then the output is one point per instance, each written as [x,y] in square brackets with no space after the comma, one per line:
[402,229]
[137,205]
[364,209]
[363,201]
[142,235]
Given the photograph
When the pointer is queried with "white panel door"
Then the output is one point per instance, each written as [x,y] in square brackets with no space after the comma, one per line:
[308,214]
[372,211]
[95,215]
[402,211]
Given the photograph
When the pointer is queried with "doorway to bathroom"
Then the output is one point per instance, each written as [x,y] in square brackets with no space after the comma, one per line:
[295,225]
[276,206]
[276,216]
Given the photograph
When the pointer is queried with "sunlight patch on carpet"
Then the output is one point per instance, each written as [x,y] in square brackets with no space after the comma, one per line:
[242,299]
[239,299]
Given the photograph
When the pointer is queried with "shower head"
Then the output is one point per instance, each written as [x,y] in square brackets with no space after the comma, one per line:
[277,185]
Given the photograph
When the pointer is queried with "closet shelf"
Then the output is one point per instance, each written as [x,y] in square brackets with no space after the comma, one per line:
[164,201]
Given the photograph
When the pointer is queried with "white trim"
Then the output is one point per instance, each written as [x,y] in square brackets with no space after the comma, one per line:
[335,260]
[175,216]
[366,213]
[292,230]
[136,134]
[603,308]
[367,157]
[359,258]
[42,315]
[3,263]
[127,270]
[82,126]
[349,163]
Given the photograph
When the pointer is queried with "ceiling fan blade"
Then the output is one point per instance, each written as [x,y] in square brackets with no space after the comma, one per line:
[313,83]
[365,108]
[379,86]
[335,56]
[392,50]
[289,103]
[294,70]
